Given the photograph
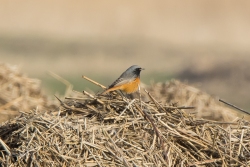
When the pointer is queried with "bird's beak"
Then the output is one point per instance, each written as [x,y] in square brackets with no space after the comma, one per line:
[142,68]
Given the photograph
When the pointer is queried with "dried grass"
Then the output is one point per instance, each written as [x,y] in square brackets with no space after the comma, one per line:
[19,93]
[116,131]
[207,106]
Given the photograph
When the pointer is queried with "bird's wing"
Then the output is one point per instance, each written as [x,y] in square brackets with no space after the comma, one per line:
[121,81]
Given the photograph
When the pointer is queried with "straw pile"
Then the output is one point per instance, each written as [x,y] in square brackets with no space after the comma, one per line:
[116,131]
[207,106]
[19,93]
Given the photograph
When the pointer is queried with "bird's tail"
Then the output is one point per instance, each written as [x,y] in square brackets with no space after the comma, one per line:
[108,90]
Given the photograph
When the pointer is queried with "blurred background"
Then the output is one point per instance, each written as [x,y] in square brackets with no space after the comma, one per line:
[203,43]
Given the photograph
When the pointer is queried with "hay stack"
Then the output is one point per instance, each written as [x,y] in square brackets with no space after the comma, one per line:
[115,131]
[207,106]
[19,93]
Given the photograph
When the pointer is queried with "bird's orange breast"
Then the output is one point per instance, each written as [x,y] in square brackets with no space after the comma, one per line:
[131,86]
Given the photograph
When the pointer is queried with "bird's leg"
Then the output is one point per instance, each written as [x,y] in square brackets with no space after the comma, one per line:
[124,97]
[139,88]
[109,96]
[120,93]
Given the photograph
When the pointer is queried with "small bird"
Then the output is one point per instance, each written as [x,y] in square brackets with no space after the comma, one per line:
[128,82]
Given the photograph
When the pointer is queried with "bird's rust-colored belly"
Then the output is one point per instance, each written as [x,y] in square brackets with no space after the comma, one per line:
[131,86]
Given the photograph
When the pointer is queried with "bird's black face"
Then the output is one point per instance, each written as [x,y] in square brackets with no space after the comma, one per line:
[138,70]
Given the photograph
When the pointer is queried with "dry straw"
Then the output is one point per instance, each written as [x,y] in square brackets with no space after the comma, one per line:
[19,93]
[113,130]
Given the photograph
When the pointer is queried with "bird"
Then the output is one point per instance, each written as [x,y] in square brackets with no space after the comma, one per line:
[128,82]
